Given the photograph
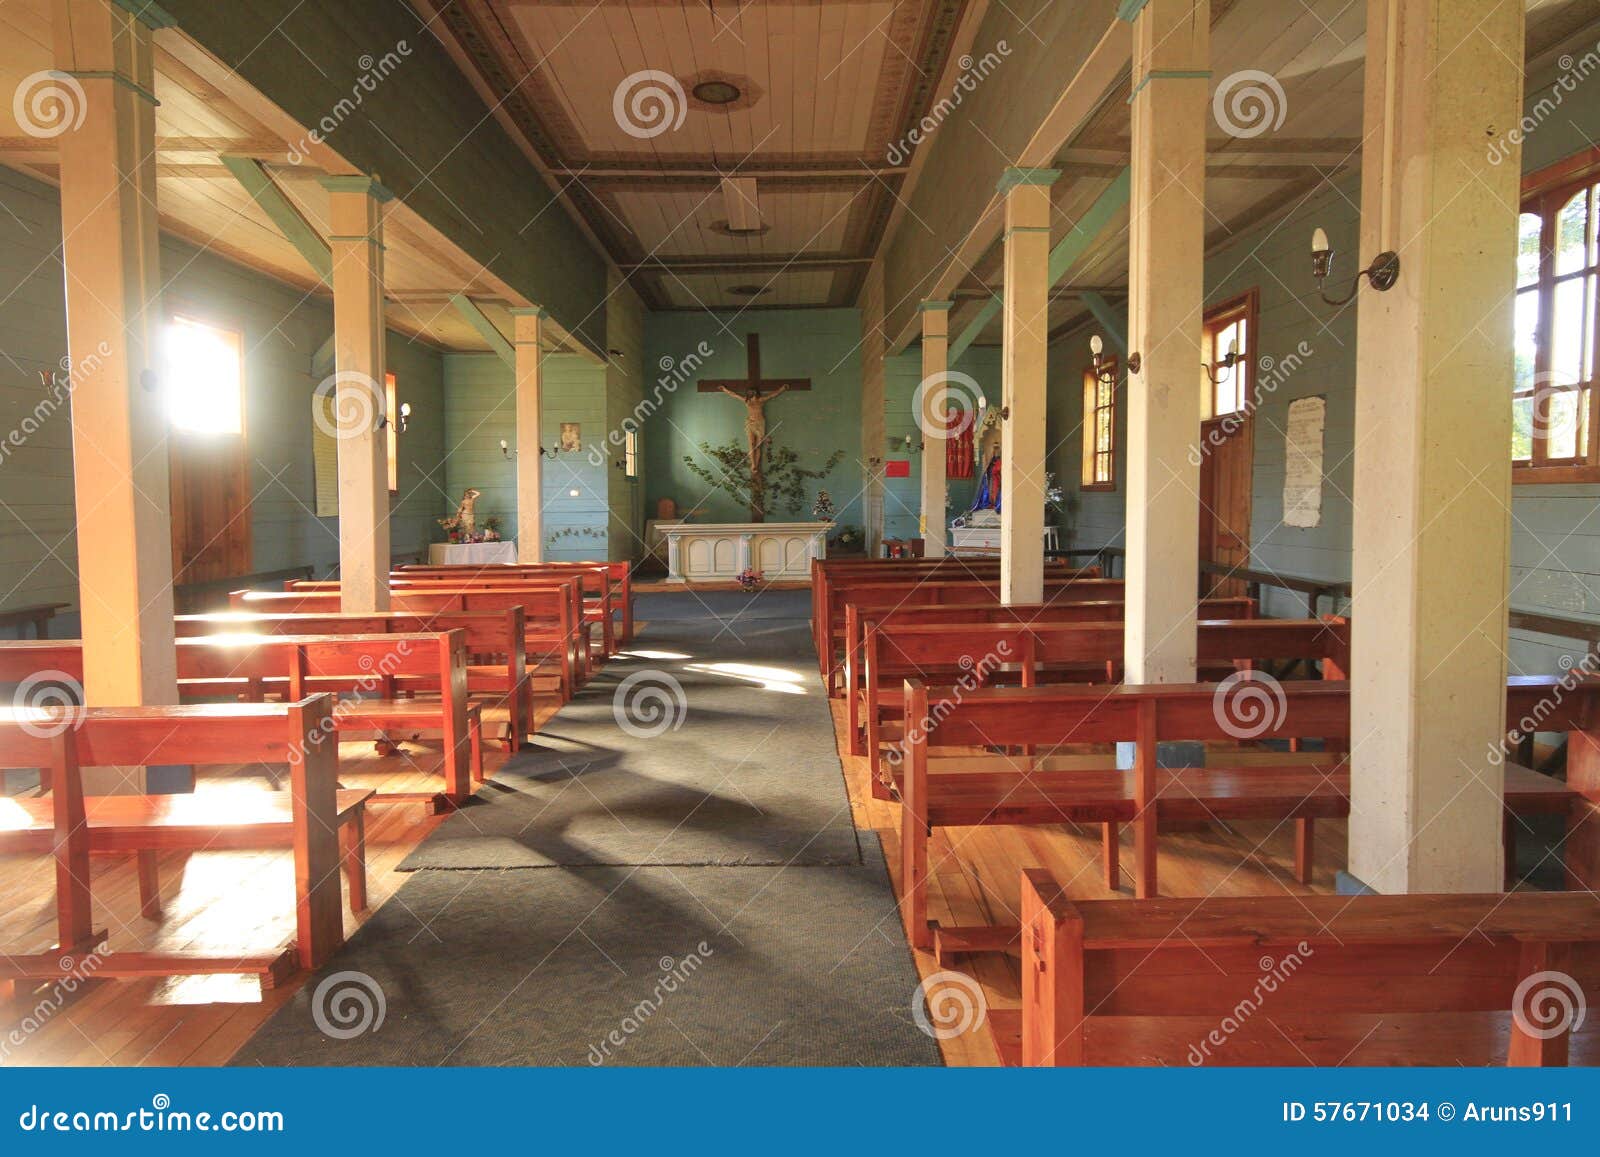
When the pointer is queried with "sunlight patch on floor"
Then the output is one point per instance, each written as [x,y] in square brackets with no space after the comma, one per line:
[779,679]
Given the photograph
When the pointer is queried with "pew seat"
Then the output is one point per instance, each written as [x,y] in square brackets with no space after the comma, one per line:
[1298,980]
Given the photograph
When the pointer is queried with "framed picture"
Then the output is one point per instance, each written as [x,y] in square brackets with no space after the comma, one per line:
[571,437]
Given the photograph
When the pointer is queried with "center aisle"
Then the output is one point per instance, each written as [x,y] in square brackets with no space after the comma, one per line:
[669,875]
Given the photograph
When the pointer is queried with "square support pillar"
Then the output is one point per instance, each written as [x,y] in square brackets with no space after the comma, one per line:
[874,431]
[119,421]
[931,402]
[1432,436]
[355,211]
[528,337]
[1024,358]
[1166,278]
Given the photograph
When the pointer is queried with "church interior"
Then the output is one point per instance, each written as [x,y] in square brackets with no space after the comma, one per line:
[799,533]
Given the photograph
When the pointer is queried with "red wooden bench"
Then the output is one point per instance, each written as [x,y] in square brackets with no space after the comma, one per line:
[1298,980]
[496,648]
[67,740]
[249,666]
[970,787]
[888,619]
[551,629]
[619,572]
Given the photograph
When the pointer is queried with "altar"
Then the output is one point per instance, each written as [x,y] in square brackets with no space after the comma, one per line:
[472,553]
[719,551]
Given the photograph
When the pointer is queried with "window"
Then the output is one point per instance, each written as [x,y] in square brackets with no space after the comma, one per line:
[1230,328]
[1552,399]
[205,378]
[630,453]
[1100,426]
[391,429]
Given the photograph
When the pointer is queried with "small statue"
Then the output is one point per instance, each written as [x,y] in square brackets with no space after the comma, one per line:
[464,521]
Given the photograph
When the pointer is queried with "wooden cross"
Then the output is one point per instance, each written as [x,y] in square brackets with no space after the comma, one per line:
[755,392]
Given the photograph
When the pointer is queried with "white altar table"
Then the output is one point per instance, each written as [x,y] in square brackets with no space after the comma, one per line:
[718,551]
[472,553]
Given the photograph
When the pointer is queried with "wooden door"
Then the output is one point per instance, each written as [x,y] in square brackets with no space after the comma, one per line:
[1225,478]
[210,507]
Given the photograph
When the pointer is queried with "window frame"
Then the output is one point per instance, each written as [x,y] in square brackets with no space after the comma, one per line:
[1246,308]
[630,452]
[391,409]
[1544,193]
[1088,477]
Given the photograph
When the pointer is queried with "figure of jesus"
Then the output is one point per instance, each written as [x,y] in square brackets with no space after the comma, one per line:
[755,421]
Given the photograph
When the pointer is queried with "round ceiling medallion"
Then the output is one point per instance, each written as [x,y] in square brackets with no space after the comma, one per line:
[716,92]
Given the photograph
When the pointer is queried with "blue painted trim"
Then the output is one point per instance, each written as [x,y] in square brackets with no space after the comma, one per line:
[290,221]
[1128,9]
[1013,177]
[1347,885]
[479,321]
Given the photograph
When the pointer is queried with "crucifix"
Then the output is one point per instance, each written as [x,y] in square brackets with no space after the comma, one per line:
[755,392]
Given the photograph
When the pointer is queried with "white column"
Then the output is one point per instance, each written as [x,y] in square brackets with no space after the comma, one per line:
[1432,436]
[931,400]
[355,211]
[119,421]
[873,430]
[1166,267]
[528,338]
[1026,314]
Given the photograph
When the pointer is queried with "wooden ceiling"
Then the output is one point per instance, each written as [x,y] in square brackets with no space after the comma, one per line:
[1316,51]
[206,113]
[825,88]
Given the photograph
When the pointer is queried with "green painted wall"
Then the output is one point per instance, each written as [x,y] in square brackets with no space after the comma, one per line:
[902,500]
[282,330]
[821,344]
[421,129]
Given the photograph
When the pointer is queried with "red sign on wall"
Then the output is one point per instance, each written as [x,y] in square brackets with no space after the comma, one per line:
[897,468]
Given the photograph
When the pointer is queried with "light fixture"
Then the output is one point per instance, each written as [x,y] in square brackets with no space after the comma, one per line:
[1219,369]
[505,449]
[906,445]
[1102,371]
[716,92]
[1381,274]
[403,421]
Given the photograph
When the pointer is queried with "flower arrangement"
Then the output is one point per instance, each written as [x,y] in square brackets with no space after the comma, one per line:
[823,509]
[748,579]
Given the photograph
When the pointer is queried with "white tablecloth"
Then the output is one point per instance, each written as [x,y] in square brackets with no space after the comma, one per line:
[472,553]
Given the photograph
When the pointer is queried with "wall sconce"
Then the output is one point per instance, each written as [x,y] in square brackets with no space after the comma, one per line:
[1103,372]
[1220,368]
[1381,274]
[507,452]
[402,423]
[907,446]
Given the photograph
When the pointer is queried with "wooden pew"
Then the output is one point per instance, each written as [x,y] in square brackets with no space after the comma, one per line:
[940,789]
[66,740]
[593,594]
[888,616]
[620,573]
[247,666]
[551,629]
[500,635]
[1040,652]
[1298,980]
[933,592]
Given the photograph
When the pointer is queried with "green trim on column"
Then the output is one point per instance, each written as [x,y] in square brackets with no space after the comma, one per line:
[1013,177]
[290,222]
[147,12]
[934,306]
[355,183]
[1108,320]
[1168,74]
[1128,9]
[323,358]
[101,74]
[479,321]
[530,311]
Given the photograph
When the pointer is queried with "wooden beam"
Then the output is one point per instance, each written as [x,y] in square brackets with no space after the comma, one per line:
[490,332]
[1108,320]
[290,221]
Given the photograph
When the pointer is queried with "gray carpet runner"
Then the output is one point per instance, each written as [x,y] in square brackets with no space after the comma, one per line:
[700,896]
